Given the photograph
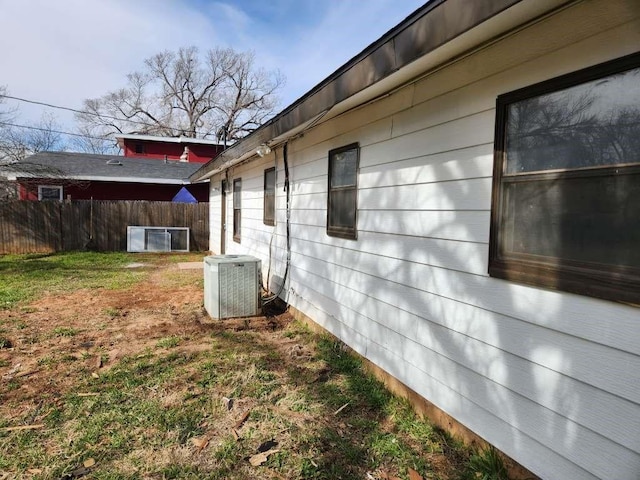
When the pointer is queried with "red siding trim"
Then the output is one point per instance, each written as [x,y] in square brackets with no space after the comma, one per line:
[117,191]
[173,151]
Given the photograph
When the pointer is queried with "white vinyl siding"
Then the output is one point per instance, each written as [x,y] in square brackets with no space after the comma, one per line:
[215,202]
[550,378]
[258,239]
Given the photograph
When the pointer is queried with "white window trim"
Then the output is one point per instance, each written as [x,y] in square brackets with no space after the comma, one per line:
[57,187]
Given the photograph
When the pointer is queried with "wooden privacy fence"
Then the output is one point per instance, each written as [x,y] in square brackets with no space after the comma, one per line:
[39,227]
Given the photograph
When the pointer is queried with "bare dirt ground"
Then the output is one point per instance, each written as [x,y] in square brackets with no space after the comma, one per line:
[88,326]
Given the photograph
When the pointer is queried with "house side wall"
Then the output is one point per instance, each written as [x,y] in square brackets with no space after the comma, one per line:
[115,191]
[25,194]
[215,201]
[264,241]
[173,151]
[550,378]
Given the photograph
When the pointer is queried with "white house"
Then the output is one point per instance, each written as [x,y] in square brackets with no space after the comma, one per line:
[460,204]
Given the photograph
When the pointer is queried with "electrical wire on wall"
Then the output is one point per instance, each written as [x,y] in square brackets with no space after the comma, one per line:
[287,190]
[273,234]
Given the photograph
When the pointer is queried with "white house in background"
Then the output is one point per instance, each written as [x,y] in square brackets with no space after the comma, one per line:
[460,204]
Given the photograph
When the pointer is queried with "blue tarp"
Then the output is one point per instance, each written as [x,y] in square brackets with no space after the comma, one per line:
[184,196]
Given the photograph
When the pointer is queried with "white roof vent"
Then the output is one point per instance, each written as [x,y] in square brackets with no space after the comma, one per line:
[185,155]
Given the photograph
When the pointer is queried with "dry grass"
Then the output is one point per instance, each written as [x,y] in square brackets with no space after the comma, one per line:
[140,381]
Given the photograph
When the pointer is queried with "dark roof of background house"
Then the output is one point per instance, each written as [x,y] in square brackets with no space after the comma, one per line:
[86,166]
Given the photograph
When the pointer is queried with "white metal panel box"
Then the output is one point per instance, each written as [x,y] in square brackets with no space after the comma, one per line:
[157,239]
[232,286]
[135,239]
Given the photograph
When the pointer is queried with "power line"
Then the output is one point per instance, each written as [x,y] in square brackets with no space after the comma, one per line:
[44,104]
[7,124]
[83,112]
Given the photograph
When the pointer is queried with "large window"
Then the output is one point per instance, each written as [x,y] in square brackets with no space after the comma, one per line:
[49,192]
[566,198]
[269,213]
[342,201]
[237,208]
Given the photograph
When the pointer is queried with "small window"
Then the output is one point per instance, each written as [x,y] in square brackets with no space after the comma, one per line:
[269,214]
[342,201]
[49,192]
[566,198]
[237,208]
[139,148]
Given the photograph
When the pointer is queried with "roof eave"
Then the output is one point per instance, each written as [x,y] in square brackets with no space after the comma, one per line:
[102,178]
[425,30]
[155,138]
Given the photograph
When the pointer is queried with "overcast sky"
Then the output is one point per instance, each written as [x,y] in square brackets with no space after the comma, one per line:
[64,51]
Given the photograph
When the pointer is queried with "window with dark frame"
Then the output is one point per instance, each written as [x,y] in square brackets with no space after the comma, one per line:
[269,213]
[342,199]
[50,192]
[237,208]
[566,195]
[139,148]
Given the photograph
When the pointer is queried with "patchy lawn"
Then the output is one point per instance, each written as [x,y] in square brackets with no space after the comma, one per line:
[109,372]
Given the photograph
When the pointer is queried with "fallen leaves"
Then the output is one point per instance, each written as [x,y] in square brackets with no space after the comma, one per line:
[200,442]
[264,451]
[242,419]
[82,471]
[413,475]
[260,458]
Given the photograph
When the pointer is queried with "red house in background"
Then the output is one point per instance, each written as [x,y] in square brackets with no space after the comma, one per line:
[192,150]
[152,168]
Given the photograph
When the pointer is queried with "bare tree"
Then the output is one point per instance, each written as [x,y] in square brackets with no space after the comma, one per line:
[7,115]
[18,143]
[181,93]
[84,141]
[573,129]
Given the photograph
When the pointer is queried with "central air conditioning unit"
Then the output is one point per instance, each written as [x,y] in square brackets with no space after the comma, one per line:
[157,239]
[232,286]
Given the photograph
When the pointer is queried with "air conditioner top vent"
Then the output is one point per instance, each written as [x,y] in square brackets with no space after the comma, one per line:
[218,259]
